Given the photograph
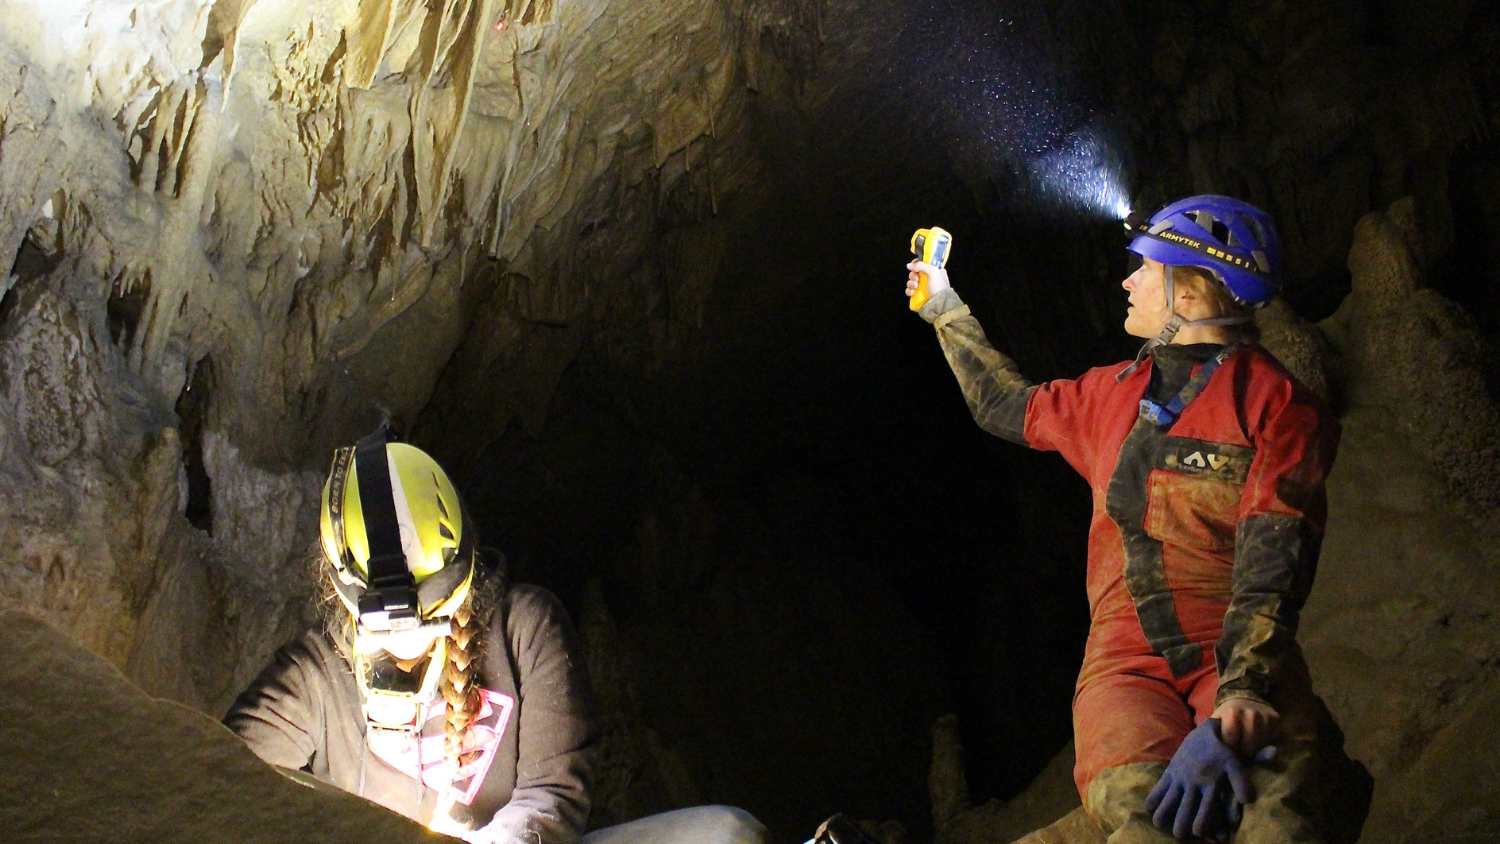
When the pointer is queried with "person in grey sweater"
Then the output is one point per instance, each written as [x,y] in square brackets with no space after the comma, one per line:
[435,687]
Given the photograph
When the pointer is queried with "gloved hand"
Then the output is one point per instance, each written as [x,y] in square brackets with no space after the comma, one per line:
[1191,798]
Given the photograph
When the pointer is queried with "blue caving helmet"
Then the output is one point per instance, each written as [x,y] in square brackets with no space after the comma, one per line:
[1230,238]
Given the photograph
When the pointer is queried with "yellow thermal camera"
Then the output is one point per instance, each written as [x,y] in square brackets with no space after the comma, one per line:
[931,247]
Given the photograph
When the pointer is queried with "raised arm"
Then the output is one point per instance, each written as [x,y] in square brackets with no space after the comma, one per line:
[994,389]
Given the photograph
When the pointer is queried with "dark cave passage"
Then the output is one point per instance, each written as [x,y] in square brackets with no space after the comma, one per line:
[808,480]
[811,550]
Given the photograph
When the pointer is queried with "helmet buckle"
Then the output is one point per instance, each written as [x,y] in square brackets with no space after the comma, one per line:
[1160,416]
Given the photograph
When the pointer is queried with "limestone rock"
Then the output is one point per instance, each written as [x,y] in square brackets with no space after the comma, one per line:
[292,209]
[1076,827]
[52,369]
[1408,350]
[1047,812]
[1299,346]
[1399,631]
[105,762]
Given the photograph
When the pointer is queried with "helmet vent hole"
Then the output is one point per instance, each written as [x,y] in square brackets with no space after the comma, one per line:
[444,531]
[1256,229]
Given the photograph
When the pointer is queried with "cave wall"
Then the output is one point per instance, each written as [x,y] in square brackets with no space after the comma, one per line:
[296,212]
[244,232]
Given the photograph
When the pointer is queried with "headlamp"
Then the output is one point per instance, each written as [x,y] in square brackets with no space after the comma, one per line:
[391,608]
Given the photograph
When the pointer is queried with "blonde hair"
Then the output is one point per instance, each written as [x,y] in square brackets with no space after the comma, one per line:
[460,684]
[1221,303]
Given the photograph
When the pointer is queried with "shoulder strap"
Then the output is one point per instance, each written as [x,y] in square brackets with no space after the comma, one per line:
[1164,415]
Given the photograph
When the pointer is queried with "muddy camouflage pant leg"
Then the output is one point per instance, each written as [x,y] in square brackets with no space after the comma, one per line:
[1117,802]
[1282,811]
[1284,805]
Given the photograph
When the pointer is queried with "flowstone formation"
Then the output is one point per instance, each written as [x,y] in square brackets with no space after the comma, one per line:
[240,226]
[124,767]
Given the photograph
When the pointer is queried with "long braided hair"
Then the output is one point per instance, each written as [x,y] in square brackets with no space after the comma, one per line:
[462,681]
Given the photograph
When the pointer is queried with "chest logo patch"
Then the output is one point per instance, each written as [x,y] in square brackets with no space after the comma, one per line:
[1201,458]
[428,754]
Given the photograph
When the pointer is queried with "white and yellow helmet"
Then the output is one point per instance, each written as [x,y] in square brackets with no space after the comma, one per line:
[395,532]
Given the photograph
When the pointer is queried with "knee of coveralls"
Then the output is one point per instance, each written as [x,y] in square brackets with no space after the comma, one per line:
[1116,800]
[1137,712]
[1284,808]
[694,825]
[1282,811]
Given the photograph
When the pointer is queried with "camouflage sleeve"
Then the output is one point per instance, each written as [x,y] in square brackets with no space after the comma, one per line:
[1275,559]
[1277,540]
[996,392]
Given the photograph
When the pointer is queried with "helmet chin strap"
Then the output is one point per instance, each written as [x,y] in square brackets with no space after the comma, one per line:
[1175,324]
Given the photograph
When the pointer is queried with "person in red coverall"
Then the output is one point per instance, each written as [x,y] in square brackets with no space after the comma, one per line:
[1193,714]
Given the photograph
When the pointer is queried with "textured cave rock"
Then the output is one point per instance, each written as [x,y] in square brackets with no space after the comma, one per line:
[623,267]
[1406,649]
[232,197]
[122,766]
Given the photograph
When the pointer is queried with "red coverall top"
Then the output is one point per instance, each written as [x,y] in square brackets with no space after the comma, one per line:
[1205,534]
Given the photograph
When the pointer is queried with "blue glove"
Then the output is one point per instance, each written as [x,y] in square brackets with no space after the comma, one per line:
[1191,796]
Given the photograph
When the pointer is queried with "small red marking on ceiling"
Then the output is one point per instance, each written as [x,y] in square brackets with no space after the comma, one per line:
[500,25]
